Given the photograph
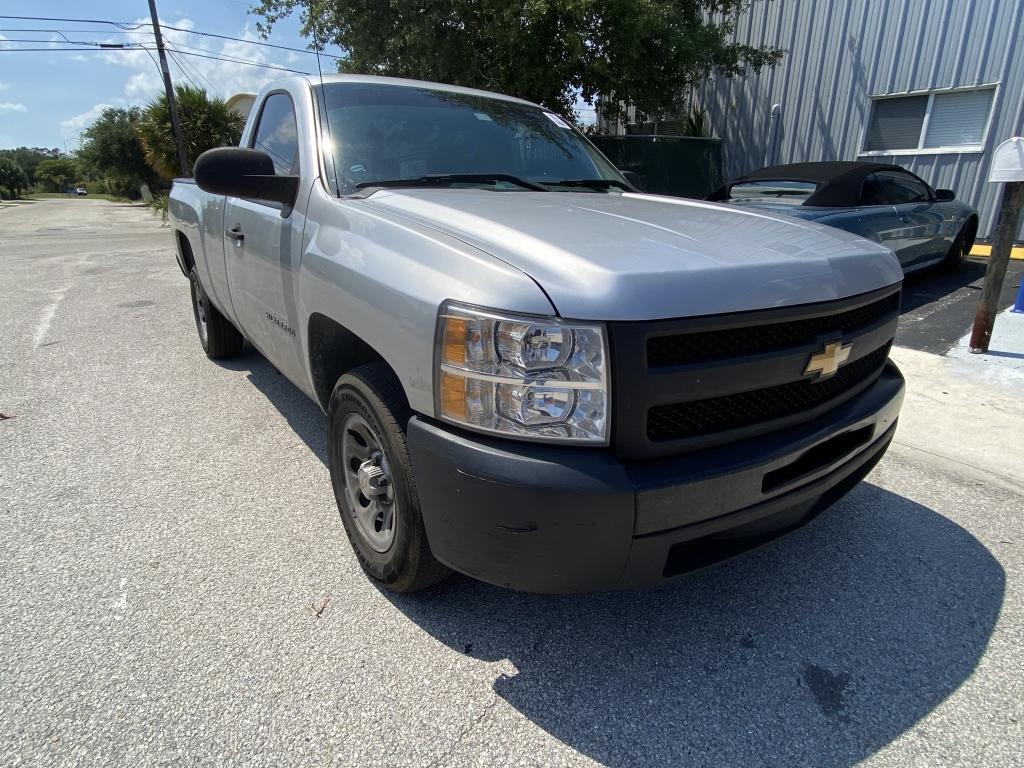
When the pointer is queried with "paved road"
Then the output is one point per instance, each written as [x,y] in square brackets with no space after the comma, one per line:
[938,307]
[175,585]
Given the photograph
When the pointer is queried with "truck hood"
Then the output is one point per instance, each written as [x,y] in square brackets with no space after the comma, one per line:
[643,257]
[788,209]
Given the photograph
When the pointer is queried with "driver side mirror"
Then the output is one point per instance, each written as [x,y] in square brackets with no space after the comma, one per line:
[247,173]
[944,195]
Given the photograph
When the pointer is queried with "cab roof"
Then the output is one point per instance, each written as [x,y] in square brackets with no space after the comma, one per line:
[315,80]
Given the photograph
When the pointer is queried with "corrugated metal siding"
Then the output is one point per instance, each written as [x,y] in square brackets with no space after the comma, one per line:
[842,52]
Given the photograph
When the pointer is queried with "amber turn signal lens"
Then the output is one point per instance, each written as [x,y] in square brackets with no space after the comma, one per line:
[454,345]
[453,397]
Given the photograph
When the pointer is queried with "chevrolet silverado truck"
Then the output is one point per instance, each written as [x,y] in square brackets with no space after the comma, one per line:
[533,373]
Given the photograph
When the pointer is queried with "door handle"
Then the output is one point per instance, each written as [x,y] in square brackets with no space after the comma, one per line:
[904,219]
[235,233]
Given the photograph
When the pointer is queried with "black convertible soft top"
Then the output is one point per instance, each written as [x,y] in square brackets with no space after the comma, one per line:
[839,182]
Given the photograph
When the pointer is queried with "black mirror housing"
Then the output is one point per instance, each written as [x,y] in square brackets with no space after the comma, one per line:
[248,173]
[944,195]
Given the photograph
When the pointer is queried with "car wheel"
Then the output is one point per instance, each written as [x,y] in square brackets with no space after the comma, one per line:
[220,339]
[373,481]
[960,249]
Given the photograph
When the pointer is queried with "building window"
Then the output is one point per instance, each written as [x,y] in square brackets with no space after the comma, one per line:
[943,120]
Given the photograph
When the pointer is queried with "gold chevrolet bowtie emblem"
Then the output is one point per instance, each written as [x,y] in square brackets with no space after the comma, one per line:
[827,362]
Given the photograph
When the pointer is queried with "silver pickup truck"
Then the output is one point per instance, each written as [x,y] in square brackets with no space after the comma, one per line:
[532,372]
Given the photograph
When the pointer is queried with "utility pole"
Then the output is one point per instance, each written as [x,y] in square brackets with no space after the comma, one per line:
[175,125]
[1007,167]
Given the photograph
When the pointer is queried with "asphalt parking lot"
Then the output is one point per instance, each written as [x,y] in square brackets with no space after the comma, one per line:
[176,586]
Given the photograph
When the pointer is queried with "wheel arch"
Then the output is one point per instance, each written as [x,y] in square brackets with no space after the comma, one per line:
[186,259]
[334,350]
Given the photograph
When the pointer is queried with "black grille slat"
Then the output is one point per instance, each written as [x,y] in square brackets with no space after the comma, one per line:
[682,420]
[677,349]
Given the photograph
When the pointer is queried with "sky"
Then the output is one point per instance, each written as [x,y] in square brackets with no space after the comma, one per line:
[47,98]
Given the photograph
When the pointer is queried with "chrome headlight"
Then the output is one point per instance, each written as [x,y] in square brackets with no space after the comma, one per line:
[527,377]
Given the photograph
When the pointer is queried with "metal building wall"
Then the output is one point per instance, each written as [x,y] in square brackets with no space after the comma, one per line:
[841,52]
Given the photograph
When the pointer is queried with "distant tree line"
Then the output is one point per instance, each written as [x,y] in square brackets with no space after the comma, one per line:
[19,168]
[124,148]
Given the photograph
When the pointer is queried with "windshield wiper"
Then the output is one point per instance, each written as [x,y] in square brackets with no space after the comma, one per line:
[591,184]
[447,179]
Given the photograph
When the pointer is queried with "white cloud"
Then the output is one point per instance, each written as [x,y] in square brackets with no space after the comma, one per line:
[11,106]
[4,86]
[218,77]
[73,126]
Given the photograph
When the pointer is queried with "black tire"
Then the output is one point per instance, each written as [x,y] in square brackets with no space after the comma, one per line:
[961,248]
[370,395]
[220,339]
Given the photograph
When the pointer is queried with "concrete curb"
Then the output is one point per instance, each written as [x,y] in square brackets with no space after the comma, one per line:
[984,251]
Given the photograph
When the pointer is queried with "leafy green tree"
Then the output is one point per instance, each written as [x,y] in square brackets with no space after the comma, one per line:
[644,53]
[30,157]
[205,123]
[58,171]
[113,154]
[13,179]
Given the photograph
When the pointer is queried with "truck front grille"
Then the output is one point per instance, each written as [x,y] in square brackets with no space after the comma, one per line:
[680,348]
[716,414]
[691,383]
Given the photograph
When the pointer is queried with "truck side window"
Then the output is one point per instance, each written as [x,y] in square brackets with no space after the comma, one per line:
[277,134]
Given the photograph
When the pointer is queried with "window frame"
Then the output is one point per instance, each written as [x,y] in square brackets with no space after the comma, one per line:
[931,94]
[259,121]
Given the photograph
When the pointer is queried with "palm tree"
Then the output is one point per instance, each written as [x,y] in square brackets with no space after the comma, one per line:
[205,123]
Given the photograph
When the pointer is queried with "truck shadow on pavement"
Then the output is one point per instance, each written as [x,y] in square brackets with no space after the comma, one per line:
[302,414]
[818,649]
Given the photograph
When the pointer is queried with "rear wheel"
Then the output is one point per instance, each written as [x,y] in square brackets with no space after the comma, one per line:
[220,339]
[373,481]
[961,247]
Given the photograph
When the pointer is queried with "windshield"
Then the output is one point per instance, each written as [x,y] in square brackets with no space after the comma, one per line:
[393,133]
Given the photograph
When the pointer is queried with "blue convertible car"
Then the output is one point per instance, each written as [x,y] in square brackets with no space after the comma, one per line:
[884,203]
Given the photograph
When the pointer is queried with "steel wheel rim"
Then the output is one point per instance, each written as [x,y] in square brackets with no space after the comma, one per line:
[200,311]
[371,494]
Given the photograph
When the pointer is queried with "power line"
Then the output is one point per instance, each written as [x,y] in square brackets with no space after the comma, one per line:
[250,42]
[182,70]
[121,24]
[128,26]
[195,70]
[65,41]
[141,47]
[239,60]
[54,50]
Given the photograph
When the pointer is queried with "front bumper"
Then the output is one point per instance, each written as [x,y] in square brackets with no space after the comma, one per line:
[563,519]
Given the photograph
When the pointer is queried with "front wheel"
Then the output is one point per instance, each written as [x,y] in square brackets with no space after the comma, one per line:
[373,481]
